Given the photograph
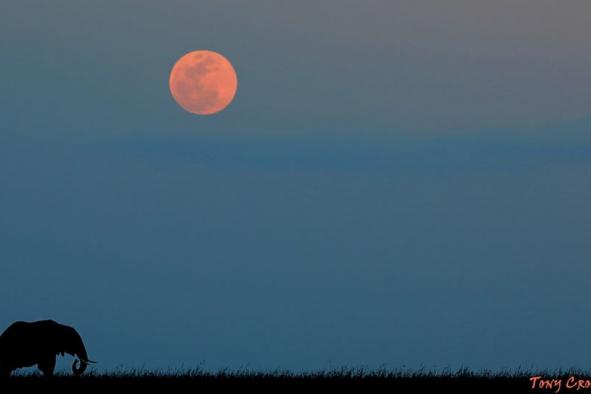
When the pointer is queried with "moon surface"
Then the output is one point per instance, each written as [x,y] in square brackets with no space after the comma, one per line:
[203,82]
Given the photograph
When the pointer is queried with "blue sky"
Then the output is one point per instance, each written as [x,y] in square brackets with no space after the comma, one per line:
[399,184]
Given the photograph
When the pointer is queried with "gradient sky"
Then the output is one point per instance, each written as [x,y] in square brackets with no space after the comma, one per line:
[397,184]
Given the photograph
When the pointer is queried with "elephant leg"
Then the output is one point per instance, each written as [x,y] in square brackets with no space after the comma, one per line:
[47,365]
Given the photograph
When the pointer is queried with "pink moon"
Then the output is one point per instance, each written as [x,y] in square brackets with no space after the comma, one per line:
[203,82]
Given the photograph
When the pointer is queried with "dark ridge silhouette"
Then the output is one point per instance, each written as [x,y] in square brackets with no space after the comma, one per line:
[25,344]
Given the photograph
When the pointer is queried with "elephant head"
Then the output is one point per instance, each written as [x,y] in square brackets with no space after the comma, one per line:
[69,341]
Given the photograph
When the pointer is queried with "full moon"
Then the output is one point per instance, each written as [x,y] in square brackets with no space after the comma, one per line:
[203,82]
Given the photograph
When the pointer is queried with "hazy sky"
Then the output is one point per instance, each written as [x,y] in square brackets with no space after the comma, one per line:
[396,184]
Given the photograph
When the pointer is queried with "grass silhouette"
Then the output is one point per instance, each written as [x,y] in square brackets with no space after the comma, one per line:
[462,380]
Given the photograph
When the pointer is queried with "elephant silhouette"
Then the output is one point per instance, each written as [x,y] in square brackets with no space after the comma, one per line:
[24,344]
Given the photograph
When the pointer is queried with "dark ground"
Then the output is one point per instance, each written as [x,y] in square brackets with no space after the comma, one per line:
[358,381]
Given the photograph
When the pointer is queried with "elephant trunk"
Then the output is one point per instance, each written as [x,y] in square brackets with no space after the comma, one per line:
[79,370]
[82,359]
